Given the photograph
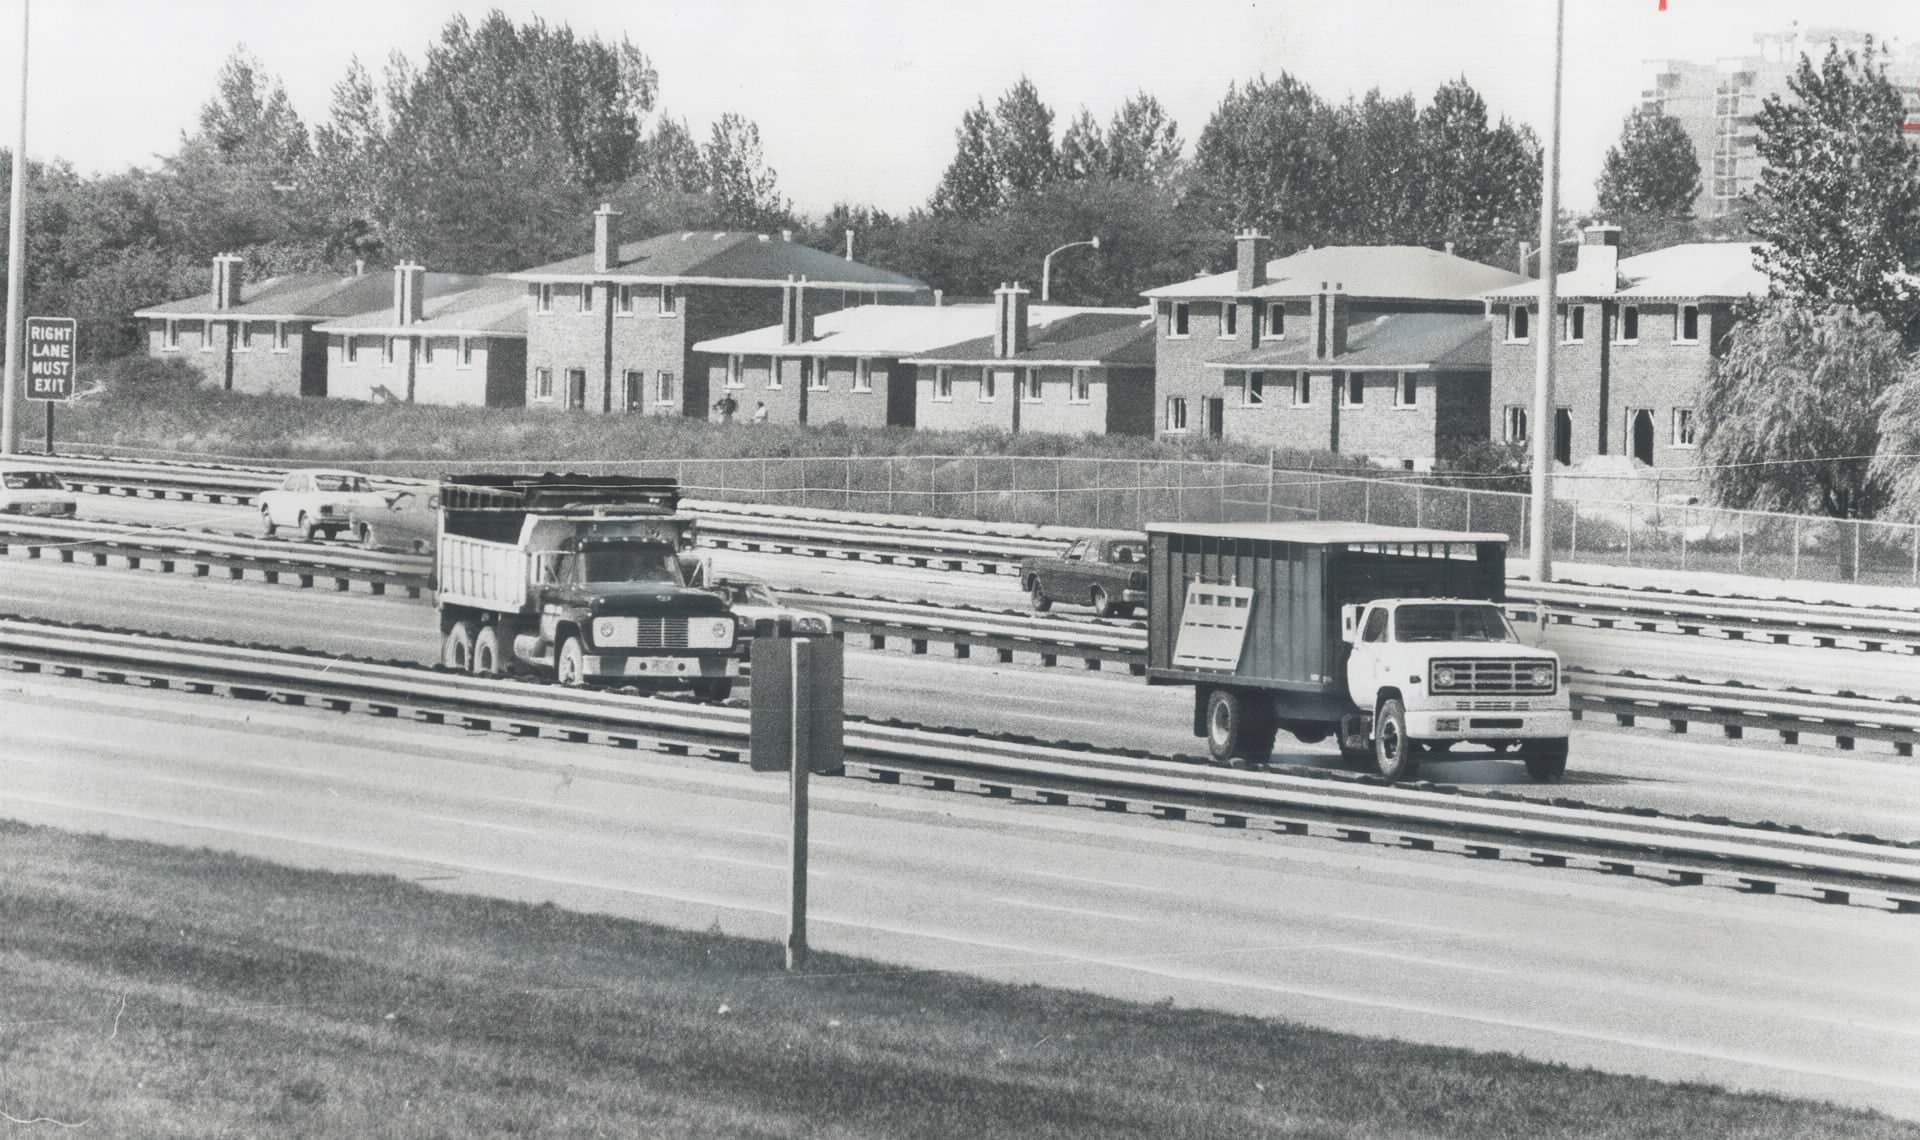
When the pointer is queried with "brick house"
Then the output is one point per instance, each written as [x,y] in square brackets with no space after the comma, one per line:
[261,337]
[1052,369]
[465,347]
[1374,350]
[614,330]
[1634,339]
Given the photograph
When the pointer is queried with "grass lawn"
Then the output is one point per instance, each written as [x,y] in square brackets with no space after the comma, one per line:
[153,991]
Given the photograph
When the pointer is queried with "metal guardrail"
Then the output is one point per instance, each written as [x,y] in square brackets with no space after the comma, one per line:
[199,553]
[1753,858]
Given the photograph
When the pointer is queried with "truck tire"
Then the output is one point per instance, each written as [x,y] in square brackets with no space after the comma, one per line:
[1546,759]
[713,691]
[1238,728]
[456,652]
[1041,603]
[569,665]
[489,656]
[1397,758]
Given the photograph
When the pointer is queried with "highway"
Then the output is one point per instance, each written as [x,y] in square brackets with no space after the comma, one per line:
[1864,791]
[1567,966]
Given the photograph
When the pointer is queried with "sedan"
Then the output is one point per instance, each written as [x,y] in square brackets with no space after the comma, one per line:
[757,610]
[316,502]
[404,520]
[29,491]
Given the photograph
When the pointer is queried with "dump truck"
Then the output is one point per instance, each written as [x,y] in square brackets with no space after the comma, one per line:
[587,579]
[1392,640]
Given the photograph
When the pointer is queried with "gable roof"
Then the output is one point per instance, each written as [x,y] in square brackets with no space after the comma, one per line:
[1707,270]
[1381,272]
[309,297]
[1406,342]
[726,257]
[494,308]
[1092,338]
[894,331]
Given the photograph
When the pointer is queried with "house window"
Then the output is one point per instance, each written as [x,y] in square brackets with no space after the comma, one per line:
[585,300]
[1178,323]
[665,391]
[1514,424]
[669,301]
[1276,320]
[625,308]
[466,352]
[1229,319]
[814,373]
[1082,387]
[1689,325]
[734,379]
[1406,391]
[353,349]
[1255,393]
[170,335]
[279,336]
[244,341]
[1683,427]
[1573,323]
[1033,385]
[1517,323]
[775,381]
[942,384]
[543,383]
[1354,392]
[990,384]
[543,299]
[862,375]
[1176,413]
[206,336]
[1630,324]
[426,351]
[390,351]
[1302,389]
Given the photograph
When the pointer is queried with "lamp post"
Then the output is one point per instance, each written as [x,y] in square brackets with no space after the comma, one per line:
[16,262]
[1543,427]
[1046,266]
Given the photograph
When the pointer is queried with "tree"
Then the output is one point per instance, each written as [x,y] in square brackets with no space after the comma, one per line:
[1478,185]
[1791,412]
[1143,144]
[745,189]
[670,160]
[250,120]
[1838,202]
[1083,149]
[1268,158]
[1380,160]
[1652,172]
[1023,154]
[970,187]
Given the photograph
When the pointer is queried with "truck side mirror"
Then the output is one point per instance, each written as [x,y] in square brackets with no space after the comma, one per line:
[696,570]
[1350,623]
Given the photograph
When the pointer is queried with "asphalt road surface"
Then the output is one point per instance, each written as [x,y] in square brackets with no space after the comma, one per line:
[1627,975]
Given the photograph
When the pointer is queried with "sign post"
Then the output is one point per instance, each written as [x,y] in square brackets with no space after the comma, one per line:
[52,348]
[798,704]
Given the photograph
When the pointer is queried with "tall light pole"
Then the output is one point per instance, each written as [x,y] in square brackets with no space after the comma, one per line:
[16,262]
[1543,428]
[1046,266]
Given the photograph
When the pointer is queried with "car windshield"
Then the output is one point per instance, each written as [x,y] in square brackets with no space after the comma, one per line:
[29,481]
[1127,552]
[632,564]
[1451,623]
[349,484]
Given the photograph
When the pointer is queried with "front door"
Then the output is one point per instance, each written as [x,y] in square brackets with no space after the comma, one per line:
[1563,436]
[636,389]
[1216,412]
[576,388]
[1640,432]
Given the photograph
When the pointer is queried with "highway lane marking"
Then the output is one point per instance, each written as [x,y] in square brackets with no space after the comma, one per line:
[476,823]
[1416,959]
[1068,910]
[1107,883]
[1406,923]
[812,872]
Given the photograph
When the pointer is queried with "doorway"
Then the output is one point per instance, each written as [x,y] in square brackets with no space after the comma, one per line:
[1640,432]
[1215,409]
[1563,437]
[576,388]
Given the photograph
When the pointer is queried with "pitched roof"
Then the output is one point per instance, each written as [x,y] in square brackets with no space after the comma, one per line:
[496,307]
[1694,271]
[1401,341]
[1094,337]
[725,258]
[1397,272]
[310,296]
[896,331]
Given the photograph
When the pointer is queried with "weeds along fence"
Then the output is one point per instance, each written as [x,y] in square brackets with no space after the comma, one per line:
[1127,494]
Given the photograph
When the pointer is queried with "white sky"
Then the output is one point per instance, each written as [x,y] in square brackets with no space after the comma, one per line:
[857,99]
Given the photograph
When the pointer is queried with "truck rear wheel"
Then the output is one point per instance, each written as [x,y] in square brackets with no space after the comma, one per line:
[1041,603]
[1238,728]
[456,652]
[1394,755]
[713,691]
[487,654]
[570,667]
[1546,759]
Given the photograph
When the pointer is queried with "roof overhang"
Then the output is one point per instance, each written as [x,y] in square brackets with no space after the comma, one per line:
[617,278]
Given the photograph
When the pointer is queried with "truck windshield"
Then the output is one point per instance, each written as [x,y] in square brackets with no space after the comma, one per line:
[632,564]
[1451,623]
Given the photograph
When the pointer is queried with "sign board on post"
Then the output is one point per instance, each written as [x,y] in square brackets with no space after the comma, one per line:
[798,706]
[53,348]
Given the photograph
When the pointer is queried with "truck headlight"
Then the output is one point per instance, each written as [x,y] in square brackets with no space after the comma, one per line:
[1542,676]
[710,633]
[1443,678]
[613,632]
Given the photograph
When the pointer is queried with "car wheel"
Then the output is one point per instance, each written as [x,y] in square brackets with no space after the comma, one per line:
[366,538]
[1041,603]
[570,668]
[1546,760]
[266,522]
[1098,600]
[306,527]
[488,659]
[456,652]
[1396,757]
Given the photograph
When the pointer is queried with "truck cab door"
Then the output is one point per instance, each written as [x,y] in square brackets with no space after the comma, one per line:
[1369,657]
[1072,572]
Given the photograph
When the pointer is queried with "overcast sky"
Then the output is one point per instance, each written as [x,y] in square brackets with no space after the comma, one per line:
[857,100]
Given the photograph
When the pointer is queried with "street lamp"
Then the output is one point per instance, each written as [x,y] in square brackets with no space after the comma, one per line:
[1542,428]
[16,262]
[1046,266]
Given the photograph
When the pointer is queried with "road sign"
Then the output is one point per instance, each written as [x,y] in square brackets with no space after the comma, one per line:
[53,345]
[798,692]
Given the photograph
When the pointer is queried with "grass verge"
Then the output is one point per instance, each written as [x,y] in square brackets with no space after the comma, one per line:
[156,991]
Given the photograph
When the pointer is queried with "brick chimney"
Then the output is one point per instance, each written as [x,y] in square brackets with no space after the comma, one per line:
[796,321]
[409,293]
[1329,317]
[1249,260]
[1599,253]
[229,270]
[606,238]
[1009,320]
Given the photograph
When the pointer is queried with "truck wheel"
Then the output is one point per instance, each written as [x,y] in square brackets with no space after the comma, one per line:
[1546,760]
[457,651]
[1041,603]
[1394,755]
[266,522]
[1237,728]
[713,691]
[570,667]
[1098,600]
[487,658]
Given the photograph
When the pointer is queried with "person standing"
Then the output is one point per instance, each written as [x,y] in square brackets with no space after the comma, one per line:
[726,405]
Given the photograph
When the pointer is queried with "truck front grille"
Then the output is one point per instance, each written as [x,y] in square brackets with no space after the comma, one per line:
[1475,675]
[640,632]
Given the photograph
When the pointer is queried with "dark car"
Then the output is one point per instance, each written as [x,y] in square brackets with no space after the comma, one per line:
[1107,572]
[403,521]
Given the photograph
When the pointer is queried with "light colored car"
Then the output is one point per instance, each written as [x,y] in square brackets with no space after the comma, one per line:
[317,501]
[31,491]
[757,610]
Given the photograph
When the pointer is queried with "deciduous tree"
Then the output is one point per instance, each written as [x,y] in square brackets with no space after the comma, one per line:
[1652,172]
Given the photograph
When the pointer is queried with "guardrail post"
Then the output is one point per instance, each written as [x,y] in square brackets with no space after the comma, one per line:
[1573,536]
[1469,510]
[1366,502]
[1740,548]
[849,505]
[1796,547]
[1854,570]
[890,509]
[1629,534]
[1056,490]
[976,488]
